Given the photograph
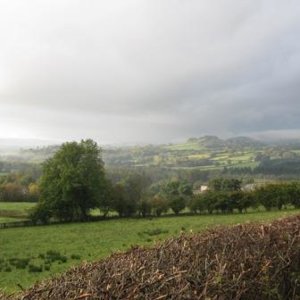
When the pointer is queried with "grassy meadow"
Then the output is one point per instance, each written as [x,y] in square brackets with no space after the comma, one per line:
[14,211]
[33,253]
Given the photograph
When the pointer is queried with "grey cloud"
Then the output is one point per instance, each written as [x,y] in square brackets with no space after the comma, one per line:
[148,71]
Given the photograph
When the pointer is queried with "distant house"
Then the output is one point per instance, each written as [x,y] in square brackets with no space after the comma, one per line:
[249,187]
[200,190]
[203,188]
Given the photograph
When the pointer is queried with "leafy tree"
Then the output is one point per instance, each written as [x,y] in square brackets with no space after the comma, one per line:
[177,203]
[12,192]
[144,206]
[197,203]
[223,201]
[225,184]
[73,181]
[106,201]
[40,213]
[279,195]
[159,204]
[243,200]
[210,201]
[178,194]
[135,189]
[294,192]
[267,196]
[119,201]
[33,192]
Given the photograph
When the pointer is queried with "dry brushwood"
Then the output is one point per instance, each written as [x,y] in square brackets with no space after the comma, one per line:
[239,262]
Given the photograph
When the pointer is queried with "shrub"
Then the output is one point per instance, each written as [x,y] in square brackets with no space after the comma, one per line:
[19,263]
[40,214]
[34,268]
[159,205]
[75,256]
[177,204]
[52,256]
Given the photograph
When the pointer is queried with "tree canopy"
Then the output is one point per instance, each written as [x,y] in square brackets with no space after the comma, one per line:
[73,181]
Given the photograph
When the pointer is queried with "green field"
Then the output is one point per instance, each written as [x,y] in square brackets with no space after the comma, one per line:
[16,206]
[9,219]
[92,241]
[14,211]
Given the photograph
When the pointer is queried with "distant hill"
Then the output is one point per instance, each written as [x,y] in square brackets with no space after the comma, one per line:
[205,153]
[213,142]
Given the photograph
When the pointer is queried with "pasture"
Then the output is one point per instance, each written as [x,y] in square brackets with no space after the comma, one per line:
[14,211]
[33,253]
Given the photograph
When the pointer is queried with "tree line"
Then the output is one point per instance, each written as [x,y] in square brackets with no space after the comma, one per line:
[74,182]
[270,196]
[19,187]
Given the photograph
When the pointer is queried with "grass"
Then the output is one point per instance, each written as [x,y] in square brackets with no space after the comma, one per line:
[198,156]
[92,241]
[14,211]
[185,147]
[20,206]
[9,219]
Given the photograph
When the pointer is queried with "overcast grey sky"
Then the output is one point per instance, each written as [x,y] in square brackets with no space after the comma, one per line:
[148,71]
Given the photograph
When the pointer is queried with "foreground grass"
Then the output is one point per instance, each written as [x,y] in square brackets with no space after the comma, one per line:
[92,241]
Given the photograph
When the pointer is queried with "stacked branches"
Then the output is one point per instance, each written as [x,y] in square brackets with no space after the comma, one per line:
[241,262]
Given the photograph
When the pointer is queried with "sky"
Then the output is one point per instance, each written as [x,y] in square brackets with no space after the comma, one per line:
[156,71]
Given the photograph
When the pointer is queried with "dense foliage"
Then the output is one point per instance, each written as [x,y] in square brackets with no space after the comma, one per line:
[19,187]
[72,183]
[151,180]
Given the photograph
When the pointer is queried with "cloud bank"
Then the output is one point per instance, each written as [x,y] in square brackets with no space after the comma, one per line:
[148,71]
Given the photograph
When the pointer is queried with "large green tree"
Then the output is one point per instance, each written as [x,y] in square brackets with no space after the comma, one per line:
[225,184]
[178,195]
[73,181]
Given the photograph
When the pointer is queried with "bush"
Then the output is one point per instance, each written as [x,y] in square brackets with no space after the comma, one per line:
[34,268]
[197,204]
[159,205]
[52,256]
[75,256]
[144,207]
[177,204]
[19,263]
[40,214]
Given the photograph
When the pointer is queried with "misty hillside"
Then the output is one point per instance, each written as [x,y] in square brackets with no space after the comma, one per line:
[214,142]
[205,153]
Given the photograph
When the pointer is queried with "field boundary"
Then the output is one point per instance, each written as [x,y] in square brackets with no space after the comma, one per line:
[29,223]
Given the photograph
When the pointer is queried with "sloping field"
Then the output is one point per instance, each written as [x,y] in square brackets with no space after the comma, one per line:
[14,211]
[240,262]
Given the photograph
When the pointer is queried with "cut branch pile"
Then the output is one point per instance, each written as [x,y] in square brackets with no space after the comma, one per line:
[240,262]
